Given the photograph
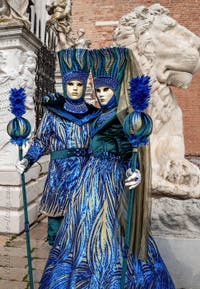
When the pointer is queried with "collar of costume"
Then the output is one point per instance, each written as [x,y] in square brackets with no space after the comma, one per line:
[55,103]
[79,119]
[53,99]
[77,106]
[105,117]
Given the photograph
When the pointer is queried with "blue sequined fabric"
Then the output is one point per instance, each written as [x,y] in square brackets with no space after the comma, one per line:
[75,107]
[79,75]
[87,253]
[56,133]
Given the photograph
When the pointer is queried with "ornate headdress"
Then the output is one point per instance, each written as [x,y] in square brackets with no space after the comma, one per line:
[74,65]
[108,65]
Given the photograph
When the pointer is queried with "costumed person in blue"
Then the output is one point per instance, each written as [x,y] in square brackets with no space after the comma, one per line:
[88,250]
[64,132]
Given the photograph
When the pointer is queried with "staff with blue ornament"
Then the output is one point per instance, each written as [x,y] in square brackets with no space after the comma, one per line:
[19,129]
[137,126]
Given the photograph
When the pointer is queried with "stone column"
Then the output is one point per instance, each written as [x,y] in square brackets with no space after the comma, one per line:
[18,48]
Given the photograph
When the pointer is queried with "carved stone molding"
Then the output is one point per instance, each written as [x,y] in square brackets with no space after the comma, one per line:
[19,37]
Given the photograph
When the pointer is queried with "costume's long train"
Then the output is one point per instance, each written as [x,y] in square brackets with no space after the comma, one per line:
[87,253]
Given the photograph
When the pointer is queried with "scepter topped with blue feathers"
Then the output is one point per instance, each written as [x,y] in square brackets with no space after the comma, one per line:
[18,128]
[138,124]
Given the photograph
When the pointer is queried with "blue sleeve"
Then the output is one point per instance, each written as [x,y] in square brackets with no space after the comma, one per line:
[41,140]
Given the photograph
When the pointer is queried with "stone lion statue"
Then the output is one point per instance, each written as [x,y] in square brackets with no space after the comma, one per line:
[169,54]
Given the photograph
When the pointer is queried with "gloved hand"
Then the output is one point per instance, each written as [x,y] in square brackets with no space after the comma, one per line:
[133,179]
[21,165]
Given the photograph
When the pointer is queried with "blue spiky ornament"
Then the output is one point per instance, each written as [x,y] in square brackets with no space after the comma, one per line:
[18,128]
[138,124]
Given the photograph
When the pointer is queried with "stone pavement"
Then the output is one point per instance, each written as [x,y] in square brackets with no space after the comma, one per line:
[13,260]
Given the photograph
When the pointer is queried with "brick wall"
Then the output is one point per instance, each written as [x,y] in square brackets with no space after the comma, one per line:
[98,18]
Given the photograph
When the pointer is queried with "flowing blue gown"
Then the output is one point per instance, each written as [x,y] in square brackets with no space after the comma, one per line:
[66,137]
[55,134]
[87,253]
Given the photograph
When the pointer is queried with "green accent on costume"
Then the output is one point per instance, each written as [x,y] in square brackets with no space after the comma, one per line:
[53,227]
[110,139]
[128,224]
[62,154]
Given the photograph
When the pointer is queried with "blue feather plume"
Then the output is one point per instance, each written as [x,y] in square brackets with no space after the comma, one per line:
[17,101]
[139,92]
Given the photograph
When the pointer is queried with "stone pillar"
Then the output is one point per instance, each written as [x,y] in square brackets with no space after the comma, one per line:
[17,69]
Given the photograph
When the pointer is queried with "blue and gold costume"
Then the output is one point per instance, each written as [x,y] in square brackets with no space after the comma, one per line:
[88,250]
[64,132]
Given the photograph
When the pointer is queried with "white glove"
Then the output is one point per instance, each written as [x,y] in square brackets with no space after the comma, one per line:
[21,165]
[133,179]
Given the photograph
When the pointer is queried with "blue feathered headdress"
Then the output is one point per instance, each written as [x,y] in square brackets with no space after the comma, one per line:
[107,66]
[74,65]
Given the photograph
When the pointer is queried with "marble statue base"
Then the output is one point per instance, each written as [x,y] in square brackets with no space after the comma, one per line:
[182,258]
[176,229]
[11,201]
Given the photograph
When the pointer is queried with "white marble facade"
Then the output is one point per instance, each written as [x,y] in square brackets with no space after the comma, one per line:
[17,69]
[19,41]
